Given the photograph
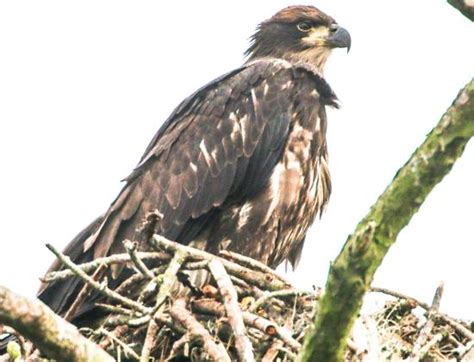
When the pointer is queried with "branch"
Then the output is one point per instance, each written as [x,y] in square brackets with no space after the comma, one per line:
[100,287]
[269,280]
[416,353]
[444,317]
[352,272]
[51,334]
[233,312]
[465,7]
[196,331]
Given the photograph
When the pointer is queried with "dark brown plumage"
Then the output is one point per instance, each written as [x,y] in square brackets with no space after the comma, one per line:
[241,164]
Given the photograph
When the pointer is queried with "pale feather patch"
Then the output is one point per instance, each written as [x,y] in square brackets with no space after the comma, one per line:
[275,181]
[205,153]
[244,215]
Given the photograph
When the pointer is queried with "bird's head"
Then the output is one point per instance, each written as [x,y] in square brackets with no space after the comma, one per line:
[298,34]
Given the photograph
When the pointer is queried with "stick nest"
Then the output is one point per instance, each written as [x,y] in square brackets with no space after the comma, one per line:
[245,311]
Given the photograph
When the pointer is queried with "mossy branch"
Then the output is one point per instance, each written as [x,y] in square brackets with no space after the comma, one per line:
[55,337]
[466,7]
[352,272]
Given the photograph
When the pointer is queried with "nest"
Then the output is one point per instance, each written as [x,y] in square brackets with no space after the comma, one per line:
[245,312]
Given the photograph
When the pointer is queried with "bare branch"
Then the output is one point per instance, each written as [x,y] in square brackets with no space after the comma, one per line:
[269,281]
[197,332]
[107,261]
[100,287]
[131,248]
[233,312]
[55,337]
[426,330]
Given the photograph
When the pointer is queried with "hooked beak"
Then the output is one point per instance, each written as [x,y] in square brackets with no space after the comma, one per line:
[339,37]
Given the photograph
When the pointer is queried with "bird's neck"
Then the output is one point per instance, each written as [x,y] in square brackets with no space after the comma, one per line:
[314,57]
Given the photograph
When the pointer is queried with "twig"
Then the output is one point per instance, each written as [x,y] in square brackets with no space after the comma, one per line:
[131,248]
[234,314]
[83,293]
[180,344]
[251,263]
[432,342]
[453,323]
[128,351]
[150,341]
[210,306]
[399,295]
[426,330]
[273,351]
[194,265]
[279,293]
[107,341]
[169,278]
[101,288]
[55,337]
[262,280]
[115,309]
[107,261]
[197,332]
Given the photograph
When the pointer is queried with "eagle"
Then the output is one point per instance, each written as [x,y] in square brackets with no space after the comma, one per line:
[240,165]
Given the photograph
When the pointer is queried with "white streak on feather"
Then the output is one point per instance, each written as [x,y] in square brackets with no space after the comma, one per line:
[205,153]
[244,215]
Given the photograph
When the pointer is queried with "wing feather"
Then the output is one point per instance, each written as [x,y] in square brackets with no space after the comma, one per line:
[218,147]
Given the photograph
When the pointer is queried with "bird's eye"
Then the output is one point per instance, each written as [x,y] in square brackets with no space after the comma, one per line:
[304,27]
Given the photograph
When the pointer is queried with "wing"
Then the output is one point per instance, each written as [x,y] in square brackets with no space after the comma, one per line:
[218,147]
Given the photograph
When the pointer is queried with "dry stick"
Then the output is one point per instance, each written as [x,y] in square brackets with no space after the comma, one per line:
[210,306]
[131,248]
[83,293]
[433,342]
[180,344]
[107,261]
[273,351]
[101,288]
[251,263]
[150,341]
[353,270]
[169,279]
[194,265]
[426,330]
[453,323]
[55,337]
[233,312]
[269,281]
[197,332]
[279,293]
[130,352]
[106,342]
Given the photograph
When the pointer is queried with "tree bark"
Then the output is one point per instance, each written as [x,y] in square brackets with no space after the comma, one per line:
[50,333]
[466,7]
[352,272]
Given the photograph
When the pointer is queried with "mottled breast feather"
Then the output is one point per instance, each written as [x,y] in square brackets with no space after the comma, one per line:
[241,164]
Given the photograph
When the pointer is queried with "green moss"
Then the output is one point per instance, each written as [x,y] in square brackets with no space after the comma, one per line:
[352,272]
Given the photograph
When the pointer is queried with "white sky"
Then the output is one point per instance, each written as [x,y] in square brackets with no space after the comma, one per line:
[85,85]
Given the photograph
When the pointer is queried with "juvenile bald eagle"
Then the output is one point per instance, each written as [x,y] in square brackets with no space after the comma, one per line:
[240,165]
